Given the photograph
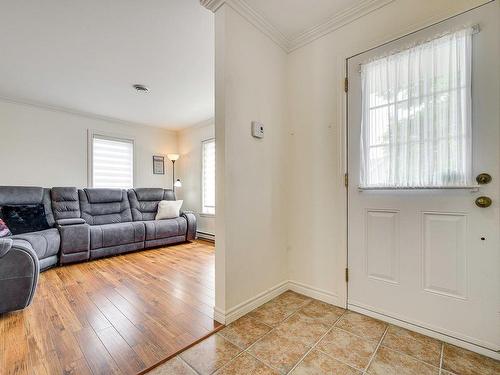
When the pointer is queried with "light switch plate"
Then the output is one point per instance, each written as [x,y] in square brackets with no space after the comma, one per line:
[257,129]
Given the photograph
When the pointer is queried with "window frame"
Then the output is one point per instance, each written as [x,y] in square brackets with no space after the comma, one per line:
[91,133]
[202,212]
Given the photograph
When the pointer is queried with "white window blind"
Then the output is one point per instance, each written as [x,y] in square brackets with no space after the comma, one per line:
[208,177]
[416,116]
[112,162]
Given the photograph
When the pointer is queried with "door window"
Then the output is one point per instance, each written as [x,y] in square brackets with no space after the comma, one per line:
[416,116]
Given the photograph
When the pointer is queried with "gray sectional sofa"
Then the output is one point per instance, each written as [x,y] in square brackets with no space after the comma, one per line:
[85,224]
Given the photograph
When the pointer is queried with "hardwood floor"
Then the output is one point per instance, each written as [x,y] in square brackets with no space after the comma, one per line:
[119,315]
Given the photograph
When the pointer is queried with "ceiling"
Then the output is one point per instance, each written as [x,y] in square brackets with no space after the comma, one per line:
[86,55]
[298,16]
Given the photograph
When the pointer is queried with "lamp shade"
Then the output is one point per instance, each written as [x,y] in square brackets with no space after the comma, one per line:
[173,157]
[178,183]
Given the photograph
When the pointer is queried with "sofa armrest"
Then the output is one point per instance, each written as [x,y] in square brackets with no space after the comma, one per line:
[75,240]
[19,270]
[5,246]
[191,225]
[73,221]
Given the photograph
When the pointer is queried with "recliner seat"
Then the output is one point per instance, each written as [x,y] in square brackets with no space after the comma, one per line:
[45,243]
[144,205]
[112,230]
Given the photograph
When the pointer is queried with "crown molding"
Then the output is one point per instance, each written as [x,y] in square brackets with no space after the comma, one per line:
[212,5]
[289,44]
[252,16]
[336,21]
[260,22]
[198,125]
[76,112]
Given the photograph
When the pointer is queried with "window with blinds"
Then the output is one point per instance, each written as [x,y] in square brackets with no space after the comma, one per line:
[208,177]
[112,162]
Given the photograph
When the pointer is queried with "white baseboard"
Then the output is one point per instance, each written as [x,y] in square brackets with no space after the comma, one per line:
[250,304]
[427,332]
[219,316]
[315,293]
[205,236]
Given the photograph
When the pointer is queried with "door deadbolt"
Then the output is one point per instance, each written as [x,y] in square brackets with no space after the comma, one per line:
[483,202]
[483,178]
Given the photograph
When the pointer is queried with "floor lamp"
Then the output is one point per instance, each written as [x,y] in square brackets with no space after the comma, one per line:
[173,158]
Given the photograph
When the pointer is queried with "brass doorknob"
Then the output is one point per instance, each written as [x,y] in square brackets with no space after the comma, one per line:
[483,178]
[483,202]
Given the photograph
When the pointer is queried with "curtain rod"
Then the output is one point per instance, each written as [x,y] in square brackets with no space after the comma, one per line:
[475,30]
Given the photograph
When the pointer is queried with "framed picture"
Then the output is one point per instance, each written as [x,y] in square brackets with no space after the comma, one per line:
[158,164]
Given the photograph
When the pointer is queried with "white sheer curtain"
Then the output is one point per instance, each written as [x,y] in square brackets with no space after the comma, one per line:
[416,116]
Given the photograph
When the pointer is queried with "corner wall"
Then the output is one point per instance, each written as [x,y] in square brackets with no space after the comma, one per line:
[251,196]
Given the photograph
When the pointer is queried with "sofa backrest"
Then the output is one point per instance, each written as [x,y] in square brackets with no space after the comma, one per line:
[144,201]
[65,204]
[27,195]
[104,206]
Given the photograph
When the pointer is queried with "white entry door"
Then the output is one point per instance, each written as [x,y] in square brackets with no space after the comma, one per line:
[420,250]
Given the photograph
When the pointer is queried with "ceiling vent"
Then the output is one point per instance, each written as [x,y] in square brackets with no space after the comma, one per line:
[140,88]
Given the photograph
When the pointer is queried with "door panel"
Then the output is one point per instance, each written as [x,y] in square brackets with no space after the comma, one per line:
[430,257]
[382,245]
[445,263]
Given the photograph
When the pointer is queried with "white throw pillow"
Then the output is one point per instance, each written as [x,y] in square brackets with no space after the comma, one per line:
[168,210]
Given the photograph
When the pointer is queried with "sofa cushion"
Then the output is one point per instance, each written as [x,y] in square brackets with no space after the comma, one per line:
[149,194]
[144,201]
[168,210]
[27,195]
[156,229]
[107,235]
[24,218]
[45,243]
[65,203]
[104,206]
[19,195]
[97,195]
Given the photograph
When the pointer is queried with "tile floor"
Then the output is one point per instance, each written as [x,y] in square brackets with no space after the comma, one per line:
[294,334]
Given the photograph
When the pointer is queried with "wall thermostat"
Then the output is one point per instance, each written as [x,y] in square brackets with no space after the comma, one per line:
[257,129]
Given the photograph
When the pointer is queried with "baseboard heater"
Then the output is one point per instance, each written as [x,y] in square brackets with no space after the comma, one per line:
[205,236]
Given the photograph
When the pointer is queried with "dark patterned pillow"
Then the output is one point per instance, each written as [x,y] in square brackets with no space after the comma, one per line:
[4,229]
[24,219]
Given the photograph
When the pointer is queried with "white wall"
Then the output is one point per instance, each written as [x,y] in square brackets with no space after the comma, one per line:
[189,170]
[251,195]
[45,147]
[317,210]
